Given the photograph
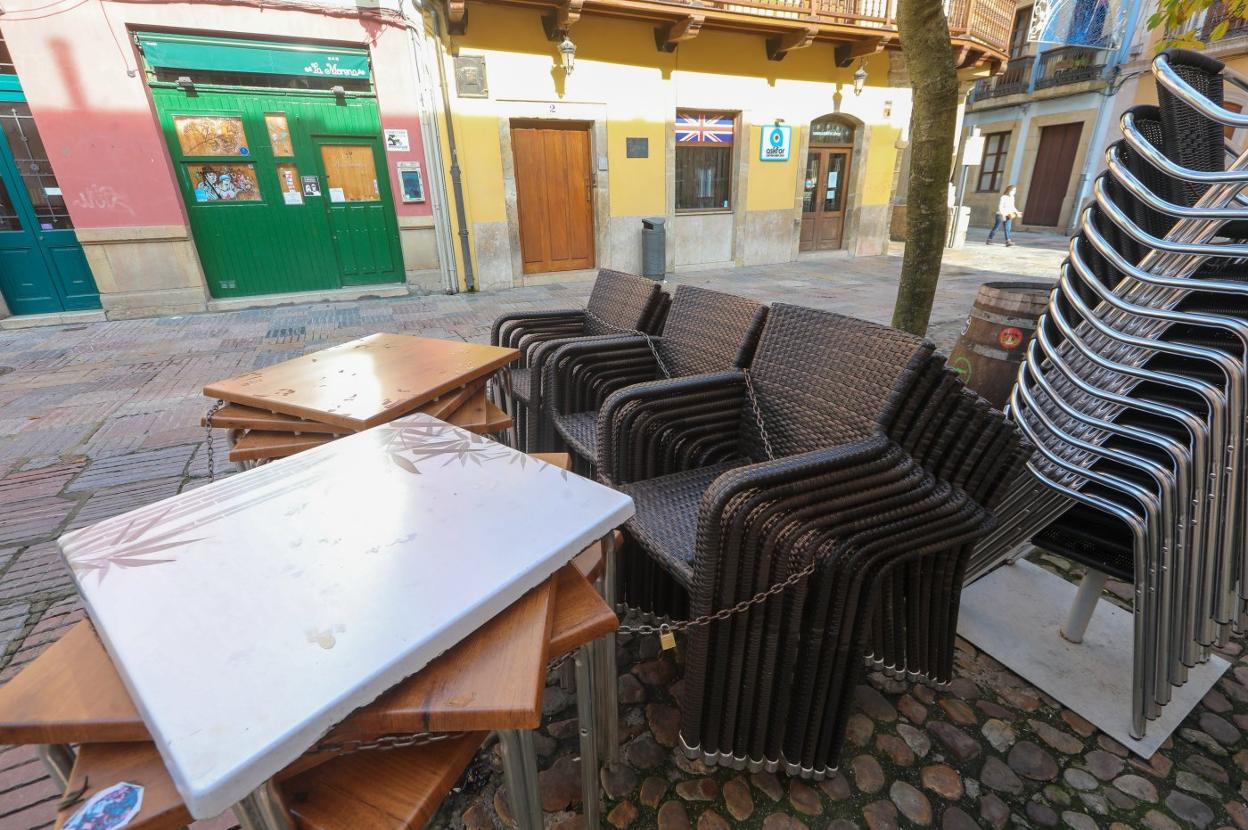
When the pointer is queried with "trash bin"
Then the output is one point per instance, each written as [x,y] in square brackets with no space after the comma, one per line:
[653,247]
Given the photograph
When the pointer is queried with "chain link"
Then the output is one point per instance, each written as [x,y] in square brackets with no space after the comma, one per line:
[758,414]
[385,742]
[648,338]
[212,466]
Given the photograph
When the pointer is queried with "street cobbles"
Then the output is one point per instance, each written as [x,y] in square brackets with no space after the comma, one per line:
[100,419]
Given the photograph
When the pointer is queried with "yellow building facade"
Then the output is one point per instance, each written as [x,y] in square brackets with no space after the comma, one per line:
[625,99]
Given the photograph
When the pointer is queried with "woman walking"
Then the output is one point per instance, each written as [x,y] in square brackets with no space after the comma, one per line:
[1007,212]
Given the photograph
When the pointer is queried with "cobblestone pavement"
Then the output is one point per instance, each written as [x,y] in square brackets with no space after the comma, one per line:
[99,419]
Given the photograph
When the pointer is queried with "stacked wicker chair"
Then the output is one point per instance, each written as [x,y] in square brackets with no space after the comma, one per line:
[1135,389]
[705,331]
[789,477]
[620,304]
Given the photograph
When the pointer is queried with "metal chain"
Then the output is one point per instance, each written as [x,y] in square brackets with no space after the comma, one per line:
[385,742]
[758,415]
[648,338]
[212,466]
[557,663]
[724,613]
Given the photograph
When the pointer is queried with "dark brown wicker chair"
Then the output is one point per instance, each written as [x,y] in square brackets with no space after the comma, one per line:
[619,304]
[753,497]
[705,331]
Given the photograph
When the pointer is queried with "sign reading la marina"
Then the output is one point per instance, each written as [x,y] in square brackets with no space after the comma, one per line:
[331,69]
[776,144]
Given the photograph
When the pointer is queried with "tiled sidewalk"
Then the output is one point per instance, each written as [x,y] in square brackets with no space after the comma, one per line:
[102,418]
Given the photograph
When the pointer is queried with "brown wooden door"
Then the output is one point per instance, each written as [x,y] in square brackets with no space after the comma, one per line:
[823,198]
[554,197]
[1050,178]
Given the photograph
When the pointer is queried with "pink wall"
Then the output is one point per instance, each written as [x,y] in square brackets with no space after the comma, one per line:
[92,107]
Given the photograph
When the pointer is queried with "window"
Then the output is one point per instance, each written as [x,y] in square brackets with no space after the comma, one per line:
[704,160]
[279,133]
[211,135]
[992,165]
[1018,35]
[351,172]
[223,182]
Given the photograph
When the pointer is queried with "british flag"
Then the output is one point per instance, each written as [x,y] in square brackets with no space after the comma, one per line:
[703,129]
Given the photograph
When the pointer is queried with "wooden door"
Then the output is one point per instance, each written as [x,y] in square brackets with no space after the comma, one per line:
[823,198]
[357,197]
[1050,178]
[42,266]
[554,195]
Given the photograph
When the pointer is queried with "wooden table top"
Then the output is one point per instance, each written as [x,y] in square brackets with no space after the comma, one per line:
[279,600]
[364,382]
[72,693]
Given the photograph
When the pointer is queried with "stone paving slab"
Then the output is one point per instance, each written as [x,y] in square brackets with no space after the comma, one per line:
[97,419]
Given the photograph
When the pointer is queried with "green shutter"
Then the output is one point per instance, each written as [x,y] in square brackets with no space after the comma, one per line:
[264,57]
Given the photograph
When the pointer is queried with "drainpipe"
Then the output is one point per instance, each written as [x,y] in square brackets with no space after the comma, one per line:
[433,150]
[457,184]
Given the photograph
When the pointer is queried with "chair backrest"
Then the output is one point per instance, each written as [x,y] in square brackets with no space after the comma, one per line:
[709,331]
[621,302]
[823,379]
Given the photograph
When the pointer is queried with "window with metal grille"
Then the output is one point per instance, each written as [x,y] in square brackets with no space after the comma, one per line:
[704,160]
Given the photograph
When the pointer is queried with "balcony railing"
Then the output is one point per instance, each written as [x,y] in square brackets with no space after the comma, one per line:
[1070,65]
[985,21]
[1237,27]
[1016,78]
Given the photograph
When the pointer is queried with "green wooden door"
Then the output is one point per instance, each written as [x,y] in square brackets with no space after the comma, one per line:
[250,172]
[357,197]
[42,267]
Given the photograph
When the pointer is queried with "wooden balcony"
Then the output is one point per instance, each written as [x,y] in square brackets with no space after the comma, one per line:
[978,29]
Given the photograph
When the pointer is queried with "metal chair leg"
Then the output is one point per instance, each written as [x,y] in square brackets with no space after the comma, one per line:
[607,699]
[264,810]
[59,761]
[520,772]
[586,719]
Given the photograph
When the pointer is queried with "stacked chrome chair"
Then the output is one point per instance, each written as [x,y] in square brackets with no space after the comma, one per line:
[1133,389]
[619,305]
[844,459]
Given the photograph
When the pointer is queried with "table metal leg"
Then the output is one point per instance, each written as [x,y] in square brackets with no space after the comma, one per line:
[607,694]
[59,761]
[509,406]
[520,772]
[1081,610]
[264,810]
[586,721]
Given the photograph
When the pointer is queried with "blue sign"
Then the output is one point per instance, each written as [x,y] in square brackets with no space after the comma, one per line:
[777,143]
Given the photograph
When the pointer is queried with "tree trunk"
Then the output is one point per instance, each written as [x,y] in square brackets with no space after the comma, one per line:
[924,34]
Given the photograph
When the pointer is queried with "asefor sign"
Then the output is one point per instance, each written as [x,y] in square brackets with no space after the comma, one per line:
[777,143]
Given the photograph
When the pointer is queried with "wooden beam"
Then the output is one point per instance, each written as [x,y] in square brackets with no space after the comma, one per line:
[561,18]
[846,53]
[668,37]
[781,45]
[457,16]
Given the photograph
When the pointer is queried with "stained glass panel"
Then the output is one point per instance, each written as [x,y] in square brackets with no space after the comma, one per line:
[279,134]
[223,182]
[211,135]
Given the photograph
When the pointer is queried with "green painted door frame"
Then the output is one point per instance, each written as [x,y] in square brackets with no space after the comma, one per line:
[267,238]
[42,267]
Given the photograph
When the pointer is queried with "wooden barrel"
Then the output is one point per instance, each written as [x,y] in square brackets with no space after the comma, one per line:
[995,336]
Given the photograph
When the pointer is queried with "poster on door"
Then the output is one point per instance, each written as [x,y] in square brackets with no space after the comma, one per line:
[776,144]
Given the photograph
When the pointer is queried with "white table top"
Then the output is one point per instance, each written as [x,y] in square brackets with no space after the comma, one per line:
[249,616]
